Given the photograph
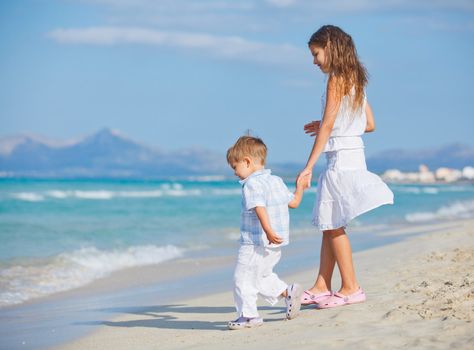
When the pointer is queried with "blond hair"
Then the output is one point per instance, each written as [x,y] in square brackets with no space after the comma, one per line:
[343,62]
[247,146]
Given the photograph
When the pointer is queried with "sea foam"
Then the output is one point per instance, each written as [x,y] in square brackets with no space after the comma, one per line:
[28,196]
[165,190]
[25,281]
[456,210]
[425,189]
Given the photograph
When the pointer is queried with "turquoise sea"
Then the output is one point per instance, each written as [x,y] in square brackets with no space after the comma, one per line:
[62,234]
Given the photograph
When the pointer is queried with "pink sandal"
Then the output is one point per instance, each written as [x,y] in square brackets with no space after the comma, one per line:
[308,298]
[338,299]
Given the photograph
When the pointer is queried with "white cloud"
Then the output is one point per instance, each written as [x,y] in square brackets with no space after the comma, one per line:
[334,5]
[228,47]
[387,5]
[260,16]
[178,5]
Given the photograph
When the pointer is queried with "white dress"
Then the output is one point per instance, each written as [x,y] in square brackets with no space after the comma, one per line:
[345,188]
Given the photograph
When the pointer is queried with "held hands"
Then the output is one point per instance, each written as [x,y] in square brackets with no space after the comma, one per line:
[312,128]
[304,179]
[303,182]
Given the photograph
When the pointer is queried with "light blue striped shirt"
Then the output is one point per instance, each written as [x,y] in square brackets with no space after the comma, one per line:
[262,189]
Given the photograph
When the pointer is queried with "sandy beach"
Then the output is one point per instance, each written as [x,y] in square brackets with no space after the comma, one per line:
[420,296]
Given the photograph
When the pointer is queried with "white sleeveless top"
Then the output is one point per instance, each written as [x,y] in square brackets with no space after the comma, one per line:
[349,126]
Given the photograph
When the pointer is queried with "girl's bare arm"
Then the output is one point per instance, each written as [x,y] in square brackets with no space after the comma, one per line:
[370,118]
[325,129]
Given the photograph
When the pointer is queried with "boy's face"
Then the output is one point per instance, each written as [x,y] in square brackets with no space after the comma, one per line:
[243,168]
[320,57]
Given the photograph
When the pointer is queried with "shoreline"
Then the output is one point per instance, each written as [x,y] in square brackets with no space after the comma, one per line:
[181,267]
[420,295]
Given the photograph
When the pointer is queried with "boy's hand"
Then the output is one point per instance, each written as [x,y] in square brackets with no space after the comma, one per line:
[263,217]
[273,238]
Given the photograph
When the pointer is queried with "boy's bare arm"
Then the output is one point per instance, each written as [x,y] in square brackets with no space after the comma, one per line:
[302,183]
[263,217]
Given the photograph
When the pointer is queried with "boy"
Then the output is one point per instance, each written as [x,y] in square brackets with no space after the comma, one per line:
[264,230]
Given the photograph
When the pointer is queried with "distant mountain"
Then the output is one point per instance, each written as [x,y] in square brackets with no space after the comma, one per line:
[7,144]
[108,153]
[104,154]
[453,156]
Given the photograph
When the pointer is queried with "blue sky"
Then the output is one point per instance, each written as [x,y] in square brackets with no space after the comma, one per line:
[178,74]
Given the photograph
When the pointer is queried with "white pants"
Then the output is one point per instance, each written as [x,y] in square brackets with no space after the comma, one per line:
[254,275]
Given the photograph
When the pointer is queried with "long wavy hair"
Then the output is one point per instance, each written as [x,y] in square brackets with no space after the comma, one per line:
[342,62]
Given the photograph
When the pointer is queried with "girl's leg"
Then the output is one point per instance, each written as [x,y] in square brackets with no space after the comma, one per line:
[326,266]
[342,251]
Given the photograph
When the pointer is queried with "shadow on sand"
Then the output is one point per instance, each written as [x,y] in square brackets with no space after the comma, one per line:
[163,319]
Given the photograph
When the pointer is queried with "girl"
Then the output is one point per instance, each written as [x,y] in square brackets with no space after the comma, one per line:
[345,189]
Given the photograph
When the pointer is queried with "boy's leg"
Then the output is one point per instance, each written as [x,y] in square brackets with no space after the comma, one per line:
[272,288]
[245,282]
[269,285]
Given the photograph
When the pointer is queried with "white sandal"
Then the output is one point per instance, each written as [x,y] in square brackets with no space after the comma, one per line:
[245,322]
[293,300]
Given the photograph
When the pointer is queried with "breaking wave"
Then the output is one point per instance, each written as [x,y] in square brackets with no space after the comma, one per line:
[24,281]
[456,210]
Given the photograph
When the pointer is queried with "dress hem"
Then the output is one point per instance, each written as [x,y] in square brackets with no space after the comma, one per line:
[344,223]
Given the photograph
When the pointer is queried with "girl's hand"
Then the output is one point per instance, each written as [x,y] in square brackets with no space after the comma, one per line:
[312,128]
[306,174]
